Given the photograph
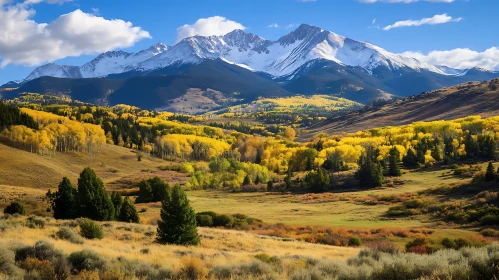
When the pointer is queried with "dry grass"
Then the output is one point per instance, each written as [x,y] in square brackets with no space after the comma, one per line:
[111,163]
[218,247]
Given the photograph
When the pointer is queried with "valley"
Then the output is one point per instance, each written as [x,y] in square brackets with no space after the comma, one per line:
[141,141]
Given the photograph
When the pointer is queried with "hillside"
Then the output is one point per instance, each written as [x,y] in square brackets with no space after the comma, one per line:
[158,89]
[112,163]
[473,98]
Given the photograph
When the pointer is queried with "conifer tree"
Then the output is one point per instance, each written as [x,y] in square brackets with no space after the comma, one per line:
[370,173]
[95,203]
[394,162]
[128,212]
[318,180]
[490,174]
[247,180]
[178,220]
[145,192]
[410,159]
[64,201]
[117,203]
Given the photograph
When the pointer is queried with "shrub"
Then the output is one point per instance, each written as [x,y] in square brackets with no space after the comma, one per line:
[354,241]
[40,269]
[223,220]
[204,220]
[489,232]
[86,260]
[42,250]
[489,220]
[417,246]
[193,268]
[35,222]
[15,208]
[385,247]
[91,230]
[7,264]
[253,270]
[68,234]
[268,259]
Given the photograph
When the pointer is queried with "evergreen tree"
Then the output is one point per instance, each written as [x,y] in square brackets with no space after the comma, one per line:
[410,159]
[490,174]
[145,192]
[117,203]
[309,165]
[258,158]
[95,203]
[488,146]
[394,162]
[318,181]
[420,156]
[247,180]
[128,212]
[160,189]
[328,164]
[471,145]
[370,173]
[64,201]
[178,220]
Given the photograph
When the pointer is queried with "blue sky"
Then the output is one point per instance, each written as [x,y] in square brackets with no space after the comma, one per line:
[461,24]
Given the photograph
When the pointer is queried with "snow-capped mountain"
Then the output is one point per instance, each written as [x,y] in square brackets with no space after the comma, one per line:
[113,62]
[282,57]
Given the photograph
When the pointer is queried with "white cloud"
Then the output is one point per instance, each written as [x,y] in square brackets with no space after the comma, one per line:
[26,42]
[216,25]
[405,1]
[461,58]
[374,21]
[436,19]
[95,11]
[32,2]
[273,25]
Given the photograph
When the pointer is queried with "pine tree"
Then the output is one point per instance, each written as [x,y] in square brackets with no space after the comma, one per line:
[410,159]
[95,203]
[318,181]
[178,220]
[471,145]
[64,201]
[394,162]
[145,192]
[490,174]
[128,212]
[370,173]
[117,203]
[258,157]
[309,164]
[488,146]
[247,180]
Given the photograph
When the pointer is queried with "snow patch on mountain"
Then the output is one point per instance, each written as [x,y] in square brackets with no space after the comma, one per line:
[278,58]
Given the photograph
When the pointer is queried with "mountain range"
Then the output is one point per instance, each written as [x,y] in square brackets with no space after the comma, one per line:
[308,60]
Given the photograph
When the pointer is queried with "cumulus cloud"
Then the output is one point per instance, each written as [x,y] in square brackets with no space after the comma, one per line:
[461,58]
[405,1]
[26,42]
[273,25]
[216,25]
[436,19]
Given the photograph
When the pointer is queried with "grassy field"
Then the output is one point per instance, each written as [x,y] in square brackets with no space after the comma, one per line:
[218,247]
[115,165]
[27,176]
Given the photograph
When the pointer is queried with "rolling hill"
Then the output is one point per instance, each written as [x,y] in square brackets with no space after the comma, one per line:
[472,98]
